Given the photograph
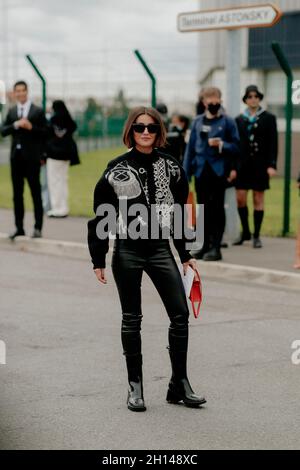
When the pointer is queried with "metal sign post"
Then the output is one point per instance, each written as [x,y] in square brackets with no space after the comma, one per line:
[284,64]
[233,87]
[232,20]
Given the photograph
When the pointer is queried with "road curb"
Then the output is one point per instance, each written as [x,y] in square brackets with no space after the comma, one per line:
[250,274]
[46,246]
[217,270]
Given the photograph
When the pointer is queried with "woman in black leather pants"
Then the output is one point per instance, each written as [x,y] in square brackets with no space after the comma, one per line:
[147,176]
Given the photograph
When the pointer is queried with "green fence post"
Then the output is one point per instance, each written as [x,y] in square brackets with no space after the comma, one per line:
[152,77]
[43,174]
[284,64]
[43,80]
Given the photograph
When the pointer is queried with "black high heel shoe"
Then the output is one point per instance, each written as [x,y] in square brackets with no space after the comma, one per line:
[244,237]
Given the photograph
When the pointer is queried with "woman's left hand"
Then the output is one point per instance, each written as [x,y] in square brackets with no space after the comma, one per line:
[191,262]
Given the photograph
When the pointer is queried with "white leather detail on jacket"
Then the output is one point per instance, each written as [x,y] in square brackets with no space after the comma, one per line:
[163,196]
[174,169]
[124,181]
[121,226]
[127,183]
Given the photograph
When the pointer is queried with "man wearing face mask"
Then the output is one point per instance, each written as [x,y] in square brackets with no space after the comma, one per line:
[211,156]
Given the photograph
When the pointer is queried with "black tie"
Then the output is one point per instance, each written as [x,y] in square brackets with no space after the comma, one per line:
[21,112]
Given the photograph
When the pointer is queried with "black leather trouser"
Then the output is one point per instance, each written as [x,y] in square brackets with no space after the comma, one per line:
[130,259]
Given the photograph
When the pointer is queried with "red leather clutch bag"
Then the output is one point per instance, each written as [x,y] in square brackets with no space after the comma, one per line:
[196,294]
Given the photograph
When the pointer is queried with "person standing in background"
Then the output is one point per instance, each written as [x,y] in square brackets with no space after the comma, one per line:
[61,151]
[26,123]
[211,156]
[257,163]
[176,136]
[162,108]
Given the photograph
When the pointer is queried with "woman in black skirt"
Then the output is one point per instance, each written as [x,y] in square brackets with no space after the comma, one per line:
[259,145]
[152,179]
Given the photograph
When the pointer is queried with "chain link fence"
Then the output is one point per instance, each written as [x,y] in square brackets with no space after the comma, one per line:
[100,86]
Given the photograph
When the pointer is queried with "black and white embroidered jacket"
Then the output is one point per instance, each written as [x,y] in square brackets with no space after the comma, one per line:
[155,179]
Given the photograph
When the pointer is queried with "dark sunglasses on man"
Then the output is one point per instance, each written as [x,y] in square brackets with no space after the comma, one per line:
[140,128]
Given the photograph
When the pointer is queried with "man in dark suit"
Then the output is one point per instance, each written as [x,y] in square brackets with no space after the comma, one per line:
[26,123]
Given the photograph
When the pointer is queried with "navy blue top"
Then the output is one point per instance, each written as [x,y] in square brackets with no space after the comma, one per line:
[198,151]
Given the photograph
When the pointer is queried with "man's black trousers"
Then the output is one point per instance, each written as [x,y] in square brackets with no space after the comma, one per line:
[21,169]
[210,190]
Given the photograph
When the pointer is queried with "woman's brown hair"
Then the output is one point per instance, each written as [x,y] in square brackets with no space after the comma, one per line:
[128,138]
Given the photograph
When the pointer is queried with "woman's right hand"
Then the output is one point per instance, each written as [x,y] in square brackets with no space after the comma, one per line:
[100,274]
[192,263]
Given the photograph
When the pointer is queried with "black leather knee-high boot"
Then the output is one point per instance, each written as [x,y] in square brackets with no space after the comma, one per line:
[131,340]
[179,386]
[135,399]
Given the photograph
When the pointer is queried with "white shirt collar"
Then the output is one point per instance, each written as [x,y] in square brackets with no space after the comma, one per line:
[25,106]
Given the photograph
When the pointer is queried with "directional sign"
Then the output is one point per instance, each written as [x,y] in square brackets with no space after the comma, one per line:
[256,16]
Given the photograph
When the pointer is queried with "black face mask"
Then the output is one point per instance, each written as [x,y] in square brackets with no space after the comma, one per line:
[214,108]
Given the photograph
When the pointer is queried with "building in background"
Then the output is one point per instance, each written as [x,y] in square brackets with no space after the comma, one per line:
[259,65]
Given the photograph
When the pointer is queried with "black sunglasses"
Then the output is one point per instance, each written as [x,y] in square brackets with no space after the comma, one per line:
[140,128]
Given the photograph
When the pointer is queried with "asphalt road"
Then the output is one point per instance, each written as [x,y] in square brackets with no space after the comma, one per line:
[64,384]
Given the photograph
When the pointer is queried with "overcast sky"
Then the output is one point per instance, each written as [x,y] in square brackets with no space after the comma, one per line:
[65,24]
[87,41]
